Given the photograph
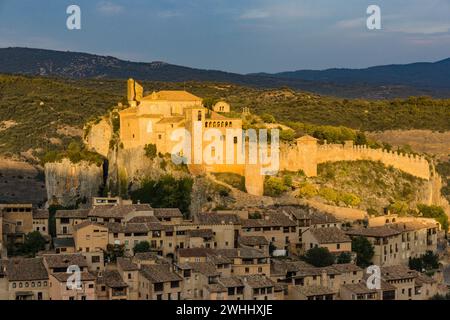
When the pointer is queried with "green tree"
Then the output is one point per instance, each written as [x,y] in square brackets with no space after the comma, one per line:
[268,118]
[167,192]
[364,251]
[34,242]
[416,264]
[150,151]
[399,207]
[344,257]
[114,251]
[430,261]
[319,257]
[435,212]
[143,246]
[274,187]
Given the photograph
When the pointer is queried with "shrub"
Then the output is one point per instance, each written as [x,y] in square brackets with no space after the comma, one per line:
[435,212]
[141,247]
[319,257]
[344,257]
[150,151]
[274,187]
[167,192]
[329,194]
[307,190]
[350,199]
[364,251]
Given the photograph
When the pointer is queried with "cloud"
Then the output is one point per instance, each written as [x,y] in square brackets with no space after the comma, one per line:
[282,10]
[351,23]
[254,14]
[169,14]
[424,28]
[109,8]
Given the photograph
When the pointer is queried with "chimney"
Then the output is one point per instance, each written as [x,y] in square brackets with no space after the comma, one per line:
[139,202]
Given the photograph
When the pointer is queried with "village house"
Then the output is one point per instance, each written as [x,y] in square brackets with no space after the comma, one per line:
[358,291]
[40,221]
[277,228]
[60,263]
[64,245]
[313,292]
[255,242]
[260,287]
[91,240]
[17,222]
[196,276]
[59,289]
[409,284]
[4,284]
[129,271]
[332,238]
[67,219]
[245,261]
[159,282]
[27,279]
[111,286]
[394,244]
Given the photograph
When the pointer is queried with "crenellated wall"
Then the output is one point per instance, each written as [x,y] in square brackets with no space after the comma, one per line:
[415,165]
[307,154]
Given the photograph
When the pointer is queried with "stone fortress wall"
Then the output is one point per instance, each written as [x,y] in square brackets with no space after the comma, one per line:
[307,154]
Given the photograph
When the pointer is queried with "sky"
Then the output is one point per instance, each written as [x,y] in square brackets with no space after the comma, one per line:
[241,36]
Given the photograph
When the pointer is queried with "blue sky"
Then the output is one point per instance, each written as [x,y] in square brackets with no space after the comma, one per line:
[236,35]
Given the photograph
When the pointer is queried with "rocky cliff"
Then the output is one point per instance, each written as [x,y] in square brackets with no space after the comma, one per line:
[98,136]
[68,183]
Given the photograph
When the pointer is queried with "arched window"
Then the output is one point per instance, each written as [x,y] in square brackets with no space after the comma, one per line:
[199,116]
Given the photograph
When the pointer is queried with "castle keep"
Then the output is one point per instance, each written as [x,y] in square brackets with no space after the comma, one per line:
[152,119]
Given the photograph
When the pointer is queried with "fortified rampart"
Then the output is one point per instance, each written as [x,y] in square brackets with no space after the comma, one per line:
[307,154]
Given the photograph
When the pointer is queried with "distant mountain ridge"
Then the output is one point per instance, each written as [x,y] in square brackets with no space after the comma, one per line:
[420,74]
[372,83]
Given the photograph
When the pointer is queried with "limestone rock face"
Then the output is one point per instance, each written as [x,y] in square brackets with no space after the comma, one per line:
[128,168]
[99,137]
[68,183]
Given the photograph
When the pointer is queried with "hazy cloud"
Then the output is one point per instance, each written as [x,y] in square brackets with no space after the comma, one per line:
[109,8]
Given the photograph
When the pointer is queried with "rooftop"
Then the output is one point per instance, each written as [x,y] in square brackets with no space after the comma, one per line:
[159,273]
[63,242]
[270,220]
[397,273]
[26,269]
[376,232]
[63,277]
[126,265]
[201,233]
[167,213]
[172,95]
[311,291]
[253,241]
[256,281]
[40,214]
[65,260]
[215,218]
[359,288]
[329,235]
[74,214]
[112,279]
